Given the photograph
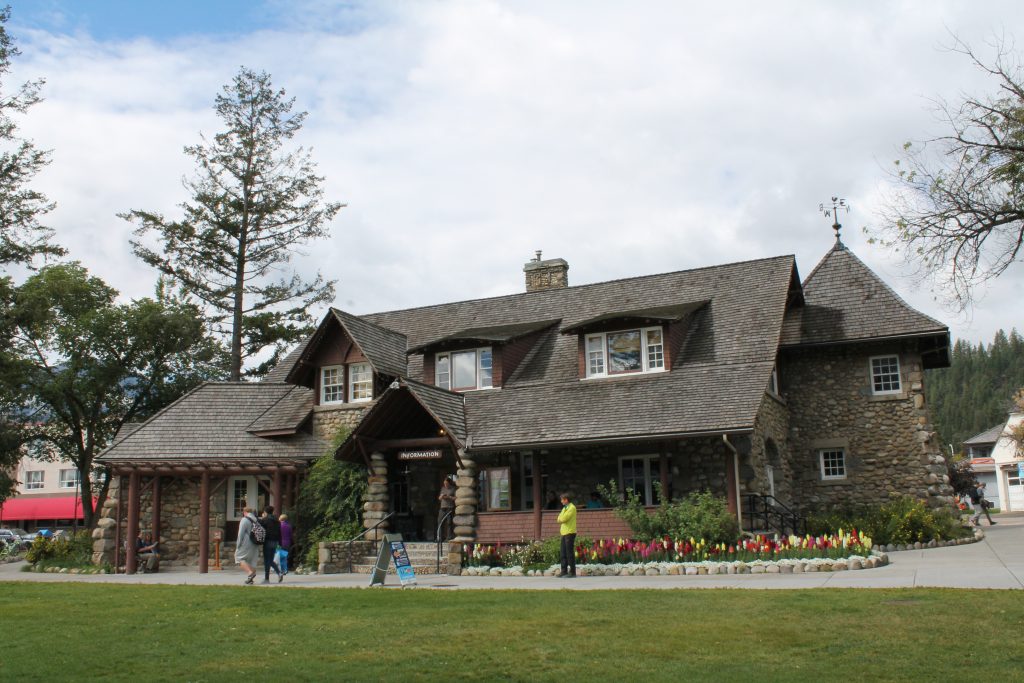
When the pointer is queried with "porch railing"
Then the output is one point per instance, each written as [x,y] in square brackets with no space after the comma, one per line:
[366,531]
[766,513]
[440,539]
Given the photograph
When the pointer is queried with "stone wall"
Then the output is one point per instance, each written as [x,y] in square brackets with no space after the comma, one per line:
[889,445]
[769,445]
[329,420]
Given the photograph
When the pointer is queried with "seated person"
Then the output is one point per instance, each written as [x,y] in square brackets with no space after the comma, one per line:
[146,549]
[595,501]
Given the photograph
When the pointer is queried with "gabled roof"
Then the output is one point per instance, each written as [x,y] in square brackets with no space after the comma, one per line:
[716,383]
[990,435]
[845,301]
[211,423]
[383,348]
[494,334]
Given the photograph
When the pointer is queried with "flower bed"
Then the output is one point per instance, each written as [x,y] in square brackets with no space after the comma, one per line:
[709,567]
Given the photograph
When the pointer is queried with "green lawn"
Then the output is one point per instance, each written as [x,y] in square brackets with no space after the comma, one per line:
[75,631]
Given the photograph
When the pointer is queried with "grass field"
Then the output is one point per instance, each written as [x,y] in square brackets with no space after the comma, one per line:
[184,633]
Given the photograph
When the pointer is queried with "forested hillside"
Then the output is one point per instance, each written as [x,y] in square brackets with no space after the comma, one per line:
[976,392]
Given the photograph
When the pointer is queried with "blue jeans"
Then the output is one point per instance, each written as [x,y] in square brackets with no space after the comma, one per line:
[269,552]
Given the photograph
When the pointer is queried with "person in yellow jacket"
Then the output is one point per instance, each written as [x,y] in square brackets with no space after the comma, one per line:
[567,520]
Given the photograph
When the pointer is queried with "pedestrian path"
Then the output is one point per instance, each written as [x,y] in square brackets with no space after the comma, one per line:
[995,562]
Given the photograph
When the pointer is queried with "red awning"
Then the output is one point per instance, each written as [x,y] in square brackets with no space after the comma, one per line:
[44,507]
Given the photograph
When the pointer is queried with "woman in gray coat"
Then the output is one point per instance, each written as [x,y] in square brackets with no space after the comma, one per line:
[246,552]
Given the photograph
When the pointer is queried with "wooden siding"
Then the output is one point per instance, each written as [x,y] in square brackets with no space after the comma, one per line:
[515,527]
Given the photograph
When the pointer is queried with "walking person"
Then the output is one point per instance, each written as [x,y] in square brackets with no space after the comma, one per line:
[246,550]
[980,505]
[270,543]
[567,520]
[286,545]
[444,517]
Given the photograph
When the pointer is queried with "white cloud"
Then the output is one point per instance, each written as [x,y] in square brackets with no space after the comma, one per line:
[465,135]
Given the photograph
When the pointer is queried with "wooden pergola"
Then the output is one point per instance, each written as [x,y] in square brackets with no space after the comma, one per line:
[284,476]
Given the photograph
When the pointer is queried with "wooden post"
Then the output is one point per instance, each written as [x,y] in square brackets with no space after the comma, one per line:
[156,510]
[277,491]
[117,529]
[204,523]
[732,482]
[131,563]
[538,504]
[663,472]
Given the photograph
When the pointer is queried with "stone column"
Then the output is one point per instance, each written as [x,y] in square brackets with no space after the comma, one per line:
[104,541]
[936,478]
[375,500]
[467,500]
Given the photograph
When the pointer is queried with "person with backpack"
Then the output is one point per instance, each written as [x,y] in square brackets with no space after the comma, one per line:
[980,505]
[246,547]
[270,541]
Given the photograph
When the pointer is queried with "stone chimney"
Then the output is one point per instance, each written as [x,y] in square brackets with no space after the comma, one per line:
[550,274]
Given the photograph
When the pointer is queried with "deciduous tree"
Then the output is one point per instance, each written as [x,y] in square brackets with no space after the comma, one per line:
[957,210]
[77,365]
[253,204]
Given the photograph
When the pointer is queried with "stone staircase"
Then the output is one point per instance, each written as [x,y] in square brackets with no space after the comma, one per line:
[423,557]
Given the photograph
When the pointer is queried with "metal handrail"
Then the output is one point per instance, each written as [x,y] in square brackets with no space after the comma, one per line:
[366,531]
[773,510]
[440,541]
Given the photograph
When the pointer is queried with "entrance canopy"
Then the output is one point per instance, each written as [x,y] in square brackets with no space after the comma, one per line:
[408,416]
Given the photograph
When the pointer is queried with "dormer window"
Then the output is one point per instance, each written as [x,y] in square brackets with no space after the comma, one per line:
[333,387]
[625,352]
[464,370]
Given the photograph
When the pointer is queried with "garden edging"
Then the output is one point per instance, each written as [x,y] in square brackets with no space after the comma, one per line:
[891,547]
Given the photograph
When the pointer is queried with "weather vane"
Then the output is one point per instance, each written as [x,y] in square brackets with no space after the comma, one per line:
[833,213]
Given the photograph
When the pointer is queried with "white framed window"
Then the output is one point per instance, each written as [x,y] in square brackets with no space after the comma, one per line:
[885,375]
[34,479]
[833,463]
[360,382]
[773,381]
[638,473]
[68,479]
[332,384]
[625,352]
[246,492]
[464,370]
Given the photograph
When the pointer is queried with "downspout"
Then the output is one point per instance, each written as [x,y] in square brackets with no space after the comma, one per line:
[733,480]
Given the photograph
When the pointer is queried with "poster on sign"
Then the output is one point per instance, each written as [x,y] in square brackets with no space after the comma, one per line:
[406,574]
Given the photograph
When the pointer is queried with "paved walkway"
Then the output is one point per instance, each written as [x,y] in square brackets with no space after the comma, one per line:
[995,562]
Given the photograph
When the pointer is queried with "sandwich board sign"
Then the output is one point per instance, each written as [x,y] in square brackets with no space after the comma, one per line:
[393,548]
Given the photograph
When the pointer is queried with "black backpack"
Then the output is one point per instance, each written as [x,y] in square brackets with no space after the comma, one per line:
[258,533]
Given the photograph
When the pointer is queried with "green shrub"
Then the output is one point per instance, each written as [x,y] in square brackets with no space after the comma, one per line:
[699,515]
[901,521]
[64,551]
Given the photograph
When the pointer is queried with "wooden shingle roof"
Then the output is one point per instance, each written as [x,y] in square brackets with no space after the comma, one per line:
[845,301]
[213,422]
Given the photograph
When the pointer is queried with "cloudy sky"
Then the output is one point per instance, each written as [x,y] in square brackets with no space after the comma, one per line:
[626,138]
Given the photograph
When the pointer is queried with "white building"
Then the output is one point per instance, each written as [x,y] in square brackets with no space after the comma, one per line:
[46,496]
[1009,467]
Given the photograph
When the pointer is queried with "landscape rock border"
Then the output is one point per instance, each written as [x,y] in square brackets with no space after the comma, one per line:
[892,548]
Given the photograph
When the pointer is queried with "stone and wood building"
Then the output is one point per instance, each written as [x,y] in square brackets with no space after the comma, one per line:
[739,379]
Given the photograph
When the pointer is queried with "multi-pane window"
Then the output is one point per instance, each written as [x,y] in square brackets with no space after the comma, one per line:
[464,370]
[833,463]
[360,378]
[625,352]
[885,375]
[773,381]
[241,497]
[332,384]
[68,479]
[34,479]
[638,474]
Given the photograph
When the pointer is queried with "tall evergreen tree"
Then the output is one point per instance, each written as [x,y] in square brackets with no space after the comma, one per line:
[22,237]
[253,204]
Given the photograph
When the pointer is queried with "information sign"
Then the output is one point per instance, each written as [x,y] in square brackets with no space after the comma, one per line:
[393,548]
[419,455]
